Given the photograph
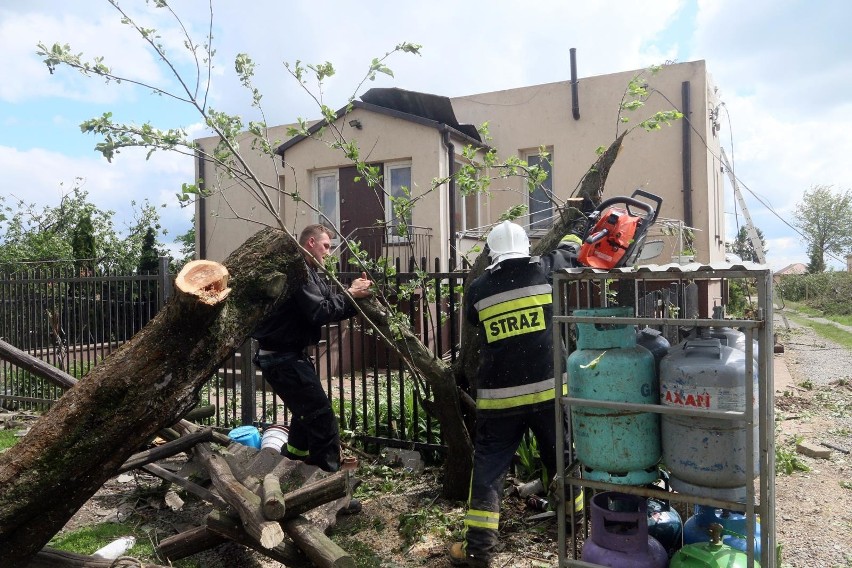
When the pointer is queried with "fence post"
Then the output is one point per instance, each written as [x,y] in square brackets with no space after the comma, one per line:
[248,396]
[164,282]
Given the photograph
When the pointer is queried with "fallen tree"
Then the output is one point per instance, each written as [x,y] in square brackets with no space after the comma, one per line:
[148,384]
[153,380]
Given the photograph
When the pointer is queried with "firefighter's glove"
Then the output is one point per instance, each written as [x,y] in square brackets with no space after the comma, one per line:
[571,242]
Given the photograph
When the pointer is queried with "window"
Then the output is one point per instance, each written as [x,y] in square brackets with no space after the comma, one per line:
[467,208]
[325,184]
[540,204]
[397,187]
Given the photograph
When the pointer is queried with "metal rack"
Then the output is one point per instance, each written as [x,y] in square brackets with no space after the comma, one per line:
[585,287]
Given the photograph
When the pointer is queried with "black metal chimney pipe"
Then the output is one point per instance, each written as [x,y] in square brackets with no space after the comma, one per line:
[575,96]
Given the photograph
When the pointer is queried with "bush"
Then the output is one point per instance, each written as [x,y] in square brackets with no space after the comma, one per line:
[828,292]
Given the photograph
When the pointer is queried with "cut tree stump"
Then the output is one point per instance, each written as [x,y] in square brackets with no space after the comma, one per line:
[205,280]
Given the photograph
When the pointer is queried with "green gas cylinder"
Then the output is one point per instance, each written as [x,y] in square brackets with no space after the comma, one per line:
[615,446]
[711,554]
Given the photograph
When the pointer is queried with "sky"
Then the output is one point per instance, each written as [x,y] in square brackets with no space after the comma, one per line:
[783,69]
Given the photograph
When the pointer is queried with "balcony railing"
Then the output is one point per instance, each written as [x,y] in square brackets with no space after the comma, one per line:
[383,242]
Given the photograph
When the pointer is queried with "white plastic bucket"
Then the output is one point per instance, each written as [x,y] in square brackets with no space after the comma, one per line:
[274,437]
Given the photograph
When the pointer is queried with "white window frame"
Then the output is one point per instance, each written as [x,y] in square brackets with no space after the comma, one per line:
[461,207]
[319,215]
[538,229]
[389,219]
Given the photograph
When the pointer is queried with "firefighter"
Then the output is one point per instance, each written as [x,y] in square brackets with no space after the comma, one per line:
[511,304]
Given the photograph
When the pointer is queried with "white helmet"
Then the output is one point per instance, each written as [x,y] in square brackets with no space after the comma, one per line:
[507,240]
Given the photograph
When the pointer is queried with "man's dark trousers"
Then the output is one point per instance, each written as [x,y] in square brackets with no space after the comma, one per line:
[498,436]
[314,434]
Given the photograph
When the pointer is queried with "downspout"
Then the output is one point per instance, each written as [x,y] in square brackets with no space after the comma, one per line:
[201,211]
[686,155]
[451,159]
[575,91]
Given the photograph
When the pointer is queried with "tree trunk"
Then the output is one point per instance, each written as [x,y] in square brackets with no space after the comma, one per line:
[146,385]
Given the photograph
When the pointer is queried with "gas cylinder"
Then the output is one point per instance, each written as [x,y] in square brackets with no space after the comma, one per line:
[664,524]
[655,342]
[619,534]
[615,446]
[706,456]
[713,554]
[734,528]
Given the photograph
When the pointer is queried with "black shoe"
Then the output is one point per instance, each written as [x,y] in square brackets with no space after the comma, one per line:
[353,508]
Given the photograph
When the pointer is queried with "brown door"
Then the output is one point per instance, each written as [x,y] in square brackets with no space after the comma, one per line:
[362,212]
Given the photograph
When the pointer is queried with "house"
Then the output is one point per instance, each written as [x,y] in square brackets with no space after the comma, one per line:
[417,140]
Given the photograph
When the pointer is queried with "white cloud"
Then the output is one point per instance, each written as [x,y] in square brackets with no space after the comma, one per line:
[42,177]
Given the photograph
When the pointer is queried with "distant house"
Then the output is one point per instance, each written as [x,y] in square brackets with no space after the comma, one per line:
[416,138]
[795,268]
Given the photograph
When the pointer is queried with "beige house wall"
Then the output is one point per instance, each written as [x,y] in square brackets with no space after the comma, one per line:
[520,120]
[523,119]
[382,138]
[231,214]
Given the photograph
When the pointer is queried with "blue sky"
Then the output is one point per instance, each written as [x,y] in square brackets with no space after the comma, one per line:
[782,67]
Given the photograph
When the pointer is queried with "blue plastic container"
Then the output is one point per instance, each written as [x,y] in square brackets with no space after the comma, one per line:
[246,435]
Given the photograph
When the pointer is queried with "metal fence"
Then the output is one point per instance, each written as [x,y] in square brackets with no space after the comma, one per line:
[374,394]
[71,319]
[74,321]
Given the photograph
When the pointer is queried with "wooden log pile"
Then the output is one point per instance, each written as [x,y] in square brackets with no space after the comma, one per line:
[279,507]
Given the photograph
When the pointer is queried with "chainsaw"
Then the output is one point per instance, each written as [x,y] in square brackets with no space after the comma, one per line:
[616,230]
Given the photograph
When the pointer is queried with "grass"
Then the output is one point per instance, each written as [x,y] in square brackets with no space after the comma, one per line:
[827,331]
[787,461]
[804,309]
[87,540]
[7,439]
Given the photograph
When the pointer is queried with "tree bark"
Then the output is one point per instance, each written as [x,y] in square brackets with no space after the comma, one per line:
[322,551]
[144,386]
[248,504]
[167,450]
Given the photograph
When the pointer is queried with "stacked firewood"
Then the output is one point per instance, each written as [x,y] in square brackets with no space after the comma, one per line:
[262,500]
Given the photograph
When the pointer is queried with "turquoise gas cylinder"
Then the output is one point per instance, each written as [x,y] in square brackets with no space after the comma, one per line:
[713,554]
[615,446]
[734,528]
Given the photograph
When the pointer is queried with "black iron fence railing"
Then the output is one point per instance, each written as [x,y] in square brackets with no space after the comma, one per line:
[74,321]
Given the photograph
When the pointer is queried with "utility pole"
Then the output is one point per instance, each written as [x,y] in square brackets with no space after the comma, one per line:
[750,228]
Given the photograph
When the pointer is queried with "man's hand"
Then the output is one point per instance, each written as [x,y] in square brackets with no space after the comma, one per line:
[360,287]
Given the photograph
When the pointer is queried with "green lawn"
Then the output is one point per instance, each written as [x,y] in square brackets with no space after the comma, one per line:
[809,311]
[7,439]
[826,330]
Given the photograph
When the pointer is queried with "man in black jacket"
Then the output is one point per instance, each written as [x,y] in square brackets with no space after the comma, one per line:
[511,304]
[283,339]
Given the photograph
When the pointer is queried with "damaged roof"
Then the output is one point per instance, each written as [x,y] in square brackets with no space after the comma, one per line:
[422,108]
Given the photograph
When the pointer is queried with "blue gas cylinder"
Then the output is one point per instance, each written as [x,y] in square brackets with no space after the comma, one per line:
[615,446]
[734,528]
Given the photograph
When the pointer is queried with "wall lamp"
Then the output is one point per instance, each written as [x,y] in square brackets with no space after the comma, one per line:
[355,123]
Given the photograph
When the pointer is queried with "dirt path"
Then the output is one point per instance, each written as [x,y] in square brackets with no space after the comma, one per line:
[813,401]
